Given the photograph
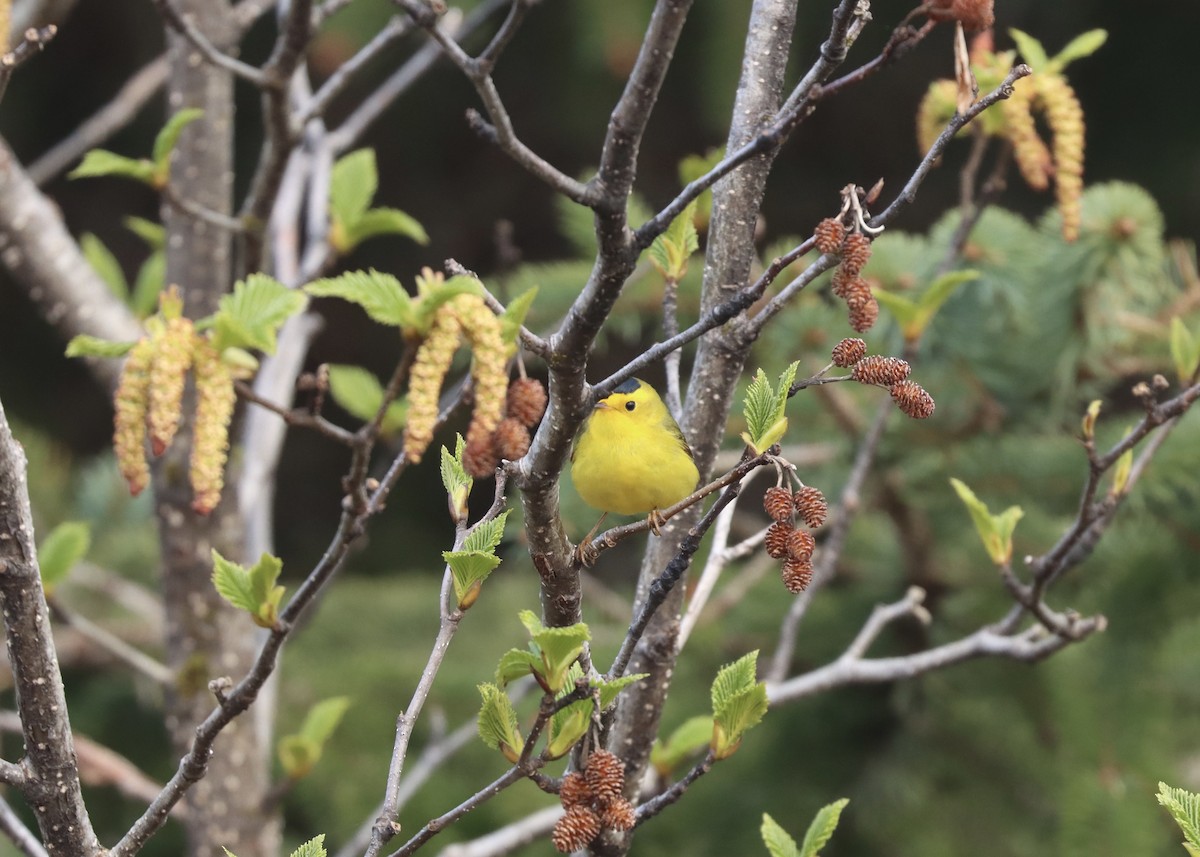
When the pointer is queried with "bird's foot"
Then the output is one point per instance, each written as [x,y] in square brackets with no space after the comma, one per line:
[656,521]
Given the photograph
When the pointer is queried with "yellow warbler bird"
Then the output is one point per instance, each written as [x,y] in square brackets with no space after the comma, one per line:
[631,458]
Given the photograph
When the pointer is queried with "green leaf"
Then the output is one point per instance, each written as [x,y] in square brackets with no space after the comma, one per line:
[515,664]
[352,185]
[1081,46]
[165,142]
[251,316]
[567,726]
[1185,350]
[468,568]
[558,647]
[1089,419]
[360,394]
[693,167]
[151,280]
[314,847]
[105,264]
[764,409]
[62,548]
[514,314]
[995,531]
[1121,473]
[251,589]
[1184,807]
[455,479]
[152,233]
[739,703]
[779,843]
[382,221]
[1031,50]
[498,722]
[902,308]
[692,735]
[671,250]
[486,535]
[381,295]
[323,718]
[610,689]
[822,827]
[299,752]
[93,346]
[931,300]
[101,162]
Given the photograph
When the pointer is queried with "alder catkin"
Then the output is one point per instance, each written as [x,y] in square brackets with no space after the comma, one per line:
[168,376]
[848,352]
[129,420]
[215,398]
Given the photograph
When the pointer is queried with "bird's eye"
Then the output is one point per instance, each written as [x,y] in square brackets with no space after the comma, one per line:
[629,406]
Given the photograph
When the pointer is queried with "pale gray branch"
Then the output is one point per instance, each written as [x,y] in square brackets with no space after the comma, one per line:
[20,835]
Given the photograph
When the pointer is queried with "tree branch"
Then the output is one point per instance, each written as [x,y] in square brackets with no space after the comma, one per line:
[20,835]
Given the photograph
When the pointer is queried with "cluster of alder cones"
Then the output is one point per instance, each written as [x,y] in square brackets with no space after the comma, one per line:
[523,409]
[889,372]
[594,801]
[788,542]
[855,249]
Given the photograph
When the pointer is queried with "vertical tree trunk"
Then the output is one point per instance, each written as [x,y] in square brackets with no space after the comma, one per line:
[206,639]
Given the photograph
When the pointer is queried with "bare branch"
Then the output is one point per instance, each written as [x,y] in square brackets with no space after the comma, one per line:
[183,25]
[20,835]
[337,82]
[655,805]
[129,655]
[507,839]
[34,40]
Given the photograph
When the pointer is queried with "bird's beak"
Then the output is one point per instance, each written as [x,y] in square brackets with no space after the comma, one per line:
[600,406]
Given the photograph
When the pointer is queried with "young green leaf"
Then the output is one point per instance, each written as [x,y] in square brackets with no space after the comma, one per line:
[382,221]
[1185,351]
[567,726]
[486,535]
[105,264]
[1031,51]
[1089,419]
[514,314]
[671,250]
[381,295]
[314,847]
[692,735]
[610,689]
[101,162]
[778,841]
[62,548]
[995,531]
[822,827]
[455,479]
[739,703]
[154,234]
[150,281]
[299,752]
[765,407]
[903,309]
[1184,807]
[165,142]
[693,167]
[352,185]
[92,346]
[558,648]
[498,722]
[515,664]
[251,316]
[431,299]
[1083,45]
[251,589]
[468,570]
[360,394]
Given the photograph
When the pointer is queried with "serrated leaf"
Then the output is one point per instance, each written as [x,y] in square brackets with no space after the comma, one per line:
[431,300]
[486,535]
[166,139]
[63,547]
[778,841]
[670,251]
[1185,350]
[105,264]
[152,233]
[931,300]
[995,531]
[455,479]
[151,280]
[352,185]
[497,722]
[251,316]
[323,718]
[514,314]
[468,568]
[251,589]
[314,847]
[558,648]
[823,825]
[101,162]
[359,393]
[1031,50]
[93,346]
[609,690]
[765,406]
[515,664]
[759,404]
[381,295]
[383,221]
[567,726]
[739,703]
[1184,807]
[299,752]
[1083,45]
[692,735]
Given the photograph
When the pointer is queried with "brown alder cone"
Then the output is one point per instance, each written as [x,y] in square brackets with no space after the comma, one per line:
[912,398]
[848,352]
[884,371]
[526,401]
[574,791]
[479,457]
[129,418]
[856,250]
[801,544]
[829,235]
[605,774]
[974,14]
[864,315]
[168,375]
[796,574]
[777,502]
[778,535]
[811,505]
[215,398]
[841,282]
[619,815]
[578,827]
[510,440]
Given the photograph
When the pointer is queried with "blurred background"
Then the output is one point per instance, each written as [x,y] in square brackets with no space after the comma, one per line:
[987,758]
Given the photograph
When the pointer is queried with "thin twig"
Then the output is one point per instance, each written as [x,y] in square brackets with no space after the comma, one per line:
[212,218]
[395,29]
[298,418]
[183,25]
[20,835]
[32,43]
[657,804]
[129,655]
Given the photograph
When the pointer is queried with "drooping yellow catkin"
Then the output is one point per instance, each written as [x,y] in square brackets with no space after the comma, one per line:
[1064,115]
[482,329]
[129,421]
[1030,153]
[168,375]
[429,369]
[215,398]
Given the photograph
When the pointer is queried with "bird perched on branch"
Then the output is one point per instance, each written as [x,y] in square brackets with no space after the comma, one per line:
[631,458]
